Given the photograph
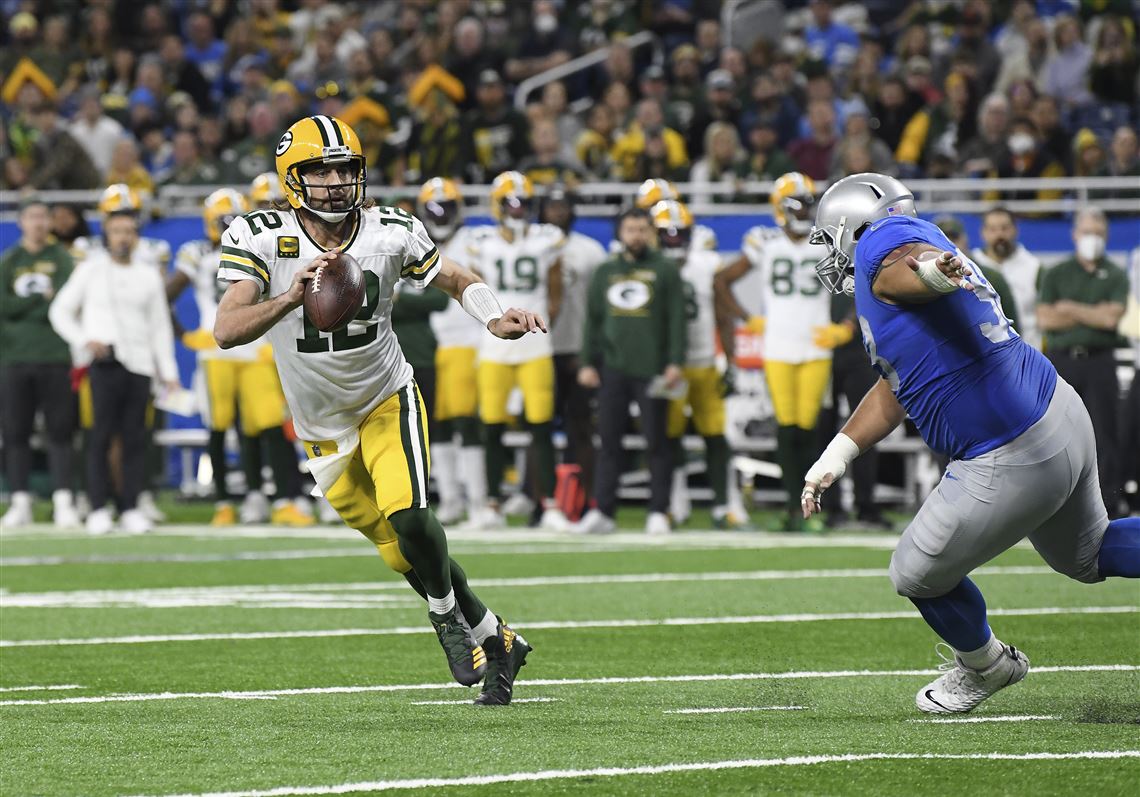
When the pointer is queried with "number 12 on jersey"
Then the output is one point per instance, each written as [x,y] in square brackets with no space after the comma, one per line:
[315,342]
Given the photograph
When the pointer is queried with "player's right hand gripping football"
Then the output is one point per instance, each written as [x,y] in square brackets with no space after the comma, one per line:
[515,323]
[295,296]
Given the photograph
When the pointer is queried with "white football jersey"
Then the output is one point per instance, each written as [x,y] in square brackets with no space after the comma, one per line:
[580,257]
[454,327]
[517,273]
[793,298]
[198,260]
[697,275]
[154,251]
[333,381]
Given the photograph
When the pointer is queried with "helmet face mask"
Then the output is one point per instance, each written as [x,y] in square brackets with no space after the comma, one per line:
[315,144]
[799,212]
[512,195]
[674,225]
[319,196]
[440,207]
[845,211]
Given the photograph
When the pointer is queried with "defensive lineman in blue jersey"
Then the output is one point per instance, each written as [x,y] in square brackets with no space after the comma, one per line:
[1023,460]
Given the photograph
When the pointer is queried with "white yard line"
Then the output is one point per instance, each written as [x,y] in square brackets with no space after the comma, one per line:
[733,709]
[969,720]
[53,688]
[468,702]
[355,595]
[660,769]
[545,625]
[144,697]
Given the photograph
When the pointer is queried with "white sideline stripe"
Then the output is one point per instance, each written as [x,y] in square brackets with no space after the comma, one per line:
[54,688]
[548,625]
[145,697]
[733,709]
[698,766]
[469,703]
[1006,718]
[352,595]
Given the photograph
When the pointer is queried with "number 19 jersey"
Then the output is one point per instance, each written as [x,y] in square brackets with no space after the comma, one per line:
[333,381]
[792,296]
[517,271]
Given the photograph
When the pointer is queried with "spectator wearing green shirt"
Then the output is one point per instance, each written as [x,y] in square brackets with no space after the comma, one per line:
[35,375]
[634,333]
[1081,302]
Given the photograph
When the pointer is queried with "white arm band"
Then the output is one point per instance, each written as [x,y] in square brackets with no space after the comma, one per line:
[932,276]
[834,459]
[480,303]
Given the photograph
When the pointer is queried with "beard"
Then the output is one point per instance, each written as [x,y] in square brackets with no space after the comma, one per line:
[1003,248]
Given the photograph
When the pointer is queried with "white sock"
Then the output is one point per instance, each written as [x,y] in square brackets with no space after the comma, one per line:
[487,627]
[442,605]
[474,475]
[984,656]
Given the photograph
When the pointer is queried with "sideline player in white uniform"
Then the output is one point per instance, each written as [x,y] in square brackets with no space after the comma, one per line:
[459,467]
[353,398]
[706,387]
[521,260]
[115,199]
[797,328]
[238,382]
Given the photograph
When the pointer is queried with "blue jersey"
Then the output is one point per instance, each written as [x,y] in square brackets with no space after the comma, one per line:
[957,366]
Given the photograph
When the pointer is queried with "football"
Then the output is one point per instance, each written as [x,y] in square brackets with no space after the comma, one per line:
[335,294]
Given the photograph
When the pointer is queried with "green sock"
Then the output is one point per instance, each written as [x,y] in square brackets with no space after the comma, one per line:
[424,545]
[543,447]
[216,448]
[283,461]
[788,459]
[415,583]
[473,609]
[251,461]
[716,457]
[496,454]
[470,431]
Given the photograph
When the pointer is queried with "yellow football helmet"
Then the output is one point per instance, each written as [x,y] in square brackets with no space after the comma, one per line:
[793,203]
[674,225]
[440,207]
[265,190]
[119,198]
[651,192]
[512,194]
[220,209]
[317,140]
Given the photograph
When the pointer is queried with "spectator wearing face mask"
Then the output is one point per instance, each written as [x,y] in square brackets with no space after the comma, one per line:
[1081,302]
[1004,253]
[1026,157]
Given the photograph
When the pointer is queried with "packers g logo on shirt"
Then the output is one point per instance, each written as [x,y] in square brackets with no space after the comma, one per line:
[629,295]
[284,143]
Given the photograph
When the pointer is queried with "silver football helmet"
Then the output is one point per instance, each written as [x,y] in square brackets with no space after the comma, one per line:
[844,213]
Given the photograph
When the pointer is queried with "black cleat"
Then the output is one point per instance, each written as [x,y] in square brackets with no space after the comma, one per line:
[506,655]
[467,660]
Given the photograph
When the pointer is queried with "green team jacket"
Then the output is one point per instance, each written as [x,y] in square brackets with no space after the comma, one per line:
[635,316]
[410,321]
[27,285]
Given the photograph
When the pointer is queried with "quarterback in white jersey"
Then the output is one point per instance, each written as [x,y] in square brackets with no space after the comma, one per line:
[706,387]
[798,333]
[354,401]
[521,260]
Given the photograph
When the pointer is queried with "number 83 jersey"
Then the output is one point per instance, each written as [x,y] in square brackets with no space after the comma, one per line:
[793,299]
[333,381]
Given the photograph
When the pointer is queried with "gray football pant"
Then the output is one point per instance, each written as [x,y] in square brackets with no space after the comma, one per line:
[1042,485]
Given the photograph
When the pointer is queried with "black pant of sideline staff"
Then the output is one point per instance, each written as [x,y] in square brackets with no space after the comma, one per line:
[119,399]
[572,404]
[614,395]
[1092,373]
[28,387]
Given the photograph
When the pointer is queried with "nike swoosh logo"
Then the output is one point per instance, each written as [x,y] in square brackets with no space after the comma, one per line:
[929,694]
[234,240]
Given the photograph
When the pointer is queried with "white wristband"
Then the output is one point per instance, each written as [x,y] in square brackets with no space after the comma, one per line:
[932,276]
[834,459]
[480,303]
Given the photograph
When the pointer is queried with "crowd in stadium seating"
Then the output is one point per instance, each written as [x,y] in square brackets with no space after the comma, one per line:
[194,93]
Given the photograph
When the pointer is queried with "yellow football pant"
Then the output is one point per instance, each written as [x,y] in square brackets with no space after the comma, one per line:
[706,401]
[251,387]
[797,390]
[456,383]
[388,471]
[497,380]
